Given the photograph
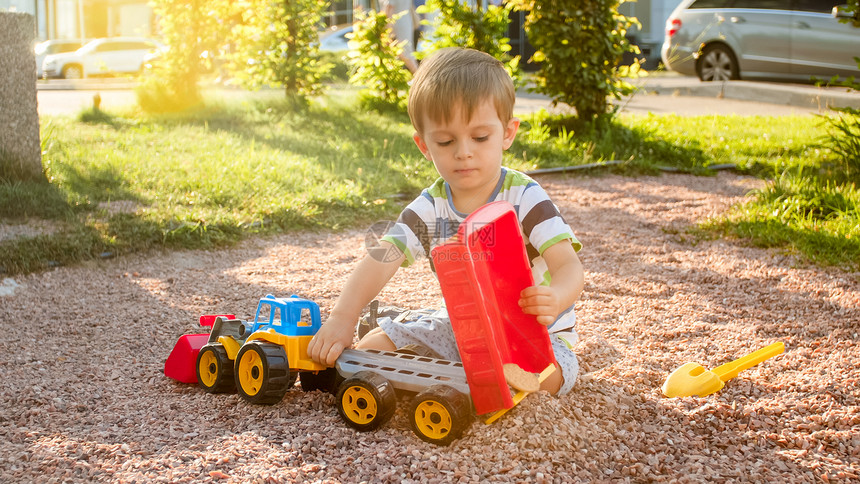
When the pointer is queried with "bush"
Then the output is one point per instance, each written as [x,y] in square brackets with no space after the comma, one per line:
[459,25]
[844,137]
[192,30]
[277,44]
[339,71]
[157,94]
[580,44]
[376,62]
[844,141]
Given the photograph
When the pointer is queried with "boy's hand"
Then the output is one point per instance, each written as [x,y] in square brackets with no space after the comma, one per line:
[365,282]
[333,337]
[547,302]
[542,301]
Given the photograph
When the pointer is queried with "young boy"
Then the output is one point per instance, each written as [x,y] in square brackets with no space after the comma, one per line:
[461,106]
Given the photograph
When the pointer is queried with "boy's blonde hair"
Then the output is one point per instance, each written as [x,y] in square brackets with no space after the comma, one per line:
[454,75]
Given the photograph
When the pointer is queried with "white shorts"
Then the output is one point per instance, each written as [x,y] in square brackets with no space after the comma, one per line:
[434,331]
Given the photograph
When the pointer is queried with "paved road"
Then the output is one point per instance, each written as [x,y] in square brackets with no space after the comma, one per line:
[659,94]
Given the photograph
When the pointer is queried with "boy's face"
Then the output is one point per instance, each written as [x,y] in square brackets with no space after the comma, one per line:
[468,153]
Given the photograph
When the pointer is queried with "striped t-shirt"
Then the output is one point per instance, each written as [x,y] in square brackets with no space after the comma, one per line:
[431,219]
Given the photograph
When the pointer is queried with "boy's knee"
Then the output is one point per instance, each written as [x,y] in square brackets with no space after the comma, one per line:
[376,339]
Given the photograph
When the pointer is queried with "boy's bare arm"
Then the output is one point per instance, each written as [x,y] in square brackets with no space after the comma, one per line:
[568,279]
[364,284]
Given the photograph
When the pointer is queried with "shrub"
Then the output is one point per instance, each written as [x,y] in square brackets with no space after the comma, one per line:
[844,136]
[339,71]
[844,141]
[193,31]
[376,62]
[459,25]
[580,44]
[277,44]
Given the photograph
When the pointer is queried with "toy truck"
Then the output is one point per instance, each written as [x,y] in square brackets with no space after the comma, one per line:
[481,273]
[262,359]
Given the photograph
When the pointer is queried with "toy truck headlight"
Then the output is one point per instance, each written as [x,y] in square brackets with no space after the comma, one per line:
[245,329]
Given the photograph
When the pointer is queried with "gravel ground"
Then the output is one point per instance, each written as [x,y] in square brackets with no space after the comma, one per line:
[84,397]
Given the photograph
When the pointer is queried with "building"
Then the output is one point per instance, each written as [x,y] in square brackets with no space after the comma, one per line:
[652,14]
[86,19]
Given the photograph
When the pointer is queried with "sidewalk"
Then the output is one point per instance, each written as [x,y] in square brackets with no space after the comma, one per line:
[670,93]
[660,93]
[781,93]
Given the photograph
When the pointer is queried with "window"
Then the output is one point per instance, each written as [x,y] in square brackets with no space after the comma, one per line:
[821,6]
[113,46]
[137,46]
[70,47]
[263,313]
[712,4]
[765,4]
[305,318]
[58,48]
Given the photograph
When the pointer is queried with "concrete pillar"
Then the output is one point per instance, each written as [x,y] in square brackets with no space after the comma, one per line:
[20,149]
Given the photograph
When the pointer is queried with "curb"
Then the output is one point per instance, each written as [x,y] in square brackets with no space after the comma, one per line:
[804,96]
[99,84]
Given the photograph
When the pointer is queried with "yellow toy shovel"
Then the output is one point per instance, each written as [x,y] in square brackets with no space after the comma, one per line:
[693,379]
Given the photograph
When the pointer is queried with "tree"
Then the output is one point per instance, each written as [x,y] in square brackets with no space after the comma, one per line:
[579,45]
[277,44]
[193,31]
[20,151]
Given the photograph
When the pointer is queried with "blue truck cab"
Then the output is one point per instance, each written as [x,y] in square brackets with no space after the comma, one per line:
[292,316]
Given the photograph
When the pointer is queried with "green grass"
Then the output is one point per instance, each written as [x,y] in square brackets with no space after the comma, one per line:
[820,221]
[258,165]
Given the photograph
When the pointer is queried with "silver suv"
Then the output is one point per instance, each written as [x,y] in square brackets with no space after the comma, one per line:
[720,40]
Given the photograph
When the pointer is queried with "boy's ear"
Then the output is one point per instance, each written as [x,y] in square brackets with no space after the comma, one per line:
[419,141]
[511,132]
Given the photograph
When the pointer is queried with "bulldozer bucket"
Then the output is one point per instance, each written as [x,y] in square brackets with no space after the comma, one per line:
[181,364]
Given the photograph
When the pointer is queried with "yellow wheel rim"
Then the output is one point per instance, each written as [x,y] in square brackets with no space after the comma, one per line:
[432,419]
[207,369]
[251,372]
[359,405]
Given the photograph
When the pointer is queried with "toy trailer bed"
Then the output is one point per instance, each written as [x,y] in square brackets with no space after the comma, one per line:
[482,274]
[366,398]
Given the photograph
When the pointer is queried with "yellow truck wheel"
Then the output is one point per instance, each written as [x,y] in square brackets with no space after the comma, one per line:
[262,373]
[215,370]
[366,401]
[440,414]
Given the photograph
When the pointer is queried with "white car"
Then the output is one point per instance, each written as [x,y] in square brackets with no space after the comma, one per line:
[55,46]
[335,40]
[117,55]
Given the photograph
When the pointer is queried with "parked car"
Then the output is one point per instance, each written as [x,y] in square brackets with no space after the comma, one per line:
[335,40]
[118,55]
[56,46]
[720,40]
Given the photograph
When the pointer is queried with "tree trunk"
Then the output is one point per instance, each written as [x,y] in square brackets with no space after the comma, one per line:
[20,148]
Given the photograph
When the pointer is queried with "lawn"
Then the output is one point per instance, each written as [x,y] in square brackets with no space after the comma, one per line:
[123,182]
